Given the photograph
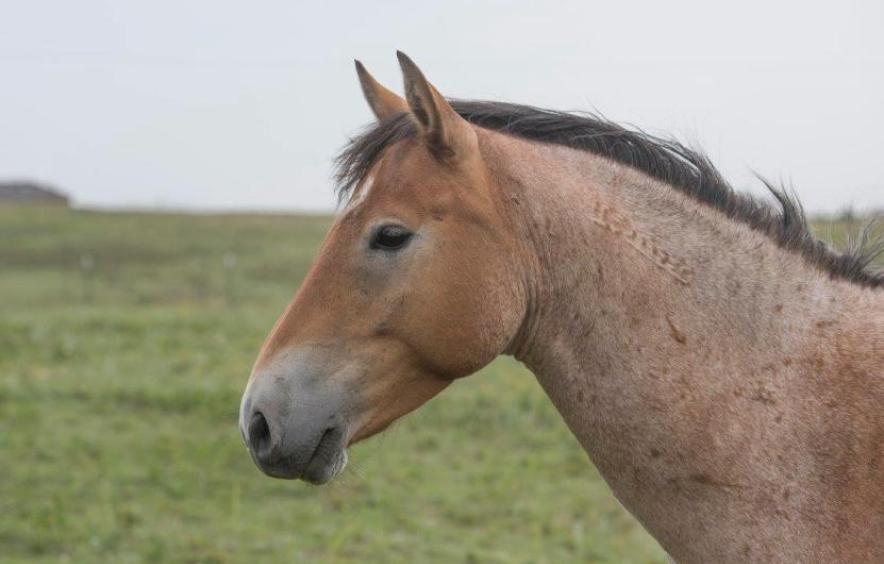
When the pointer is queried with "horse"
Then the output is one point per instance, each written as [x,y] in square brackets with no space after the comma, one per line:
[722,368]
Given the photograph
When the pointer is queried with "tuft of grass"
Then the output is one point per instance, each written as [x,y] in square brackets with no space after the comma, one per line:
[125,342]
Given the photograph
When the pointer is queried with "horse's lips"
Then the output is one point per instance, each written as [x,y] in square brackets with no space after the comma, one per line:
[328,460]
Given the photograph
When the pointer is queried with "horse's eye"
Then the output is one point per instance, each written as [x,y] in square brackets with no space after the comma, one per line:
[390,238]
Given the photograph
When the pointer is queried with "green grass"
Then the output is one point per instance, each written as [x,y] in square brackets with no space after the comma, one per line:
[119,390]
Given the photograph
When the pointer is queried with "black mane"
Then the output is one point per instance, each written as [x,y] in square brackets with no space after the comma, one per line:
[666,160]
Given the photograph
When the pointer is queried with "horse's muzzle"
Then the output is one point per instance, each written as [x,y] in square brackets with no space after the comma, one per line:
[292,433]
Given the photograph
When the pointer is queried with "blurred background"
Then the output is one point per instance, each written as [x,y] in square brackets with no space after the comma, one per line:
[165,183]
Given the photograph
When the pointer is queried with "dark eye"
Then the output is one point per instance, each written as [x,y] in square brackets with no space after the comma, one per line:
[390,238]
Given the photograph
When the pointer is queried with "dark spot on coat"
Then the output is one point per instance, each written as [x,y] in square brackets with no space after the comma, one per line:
[764,396]
[675,333]
[707,480]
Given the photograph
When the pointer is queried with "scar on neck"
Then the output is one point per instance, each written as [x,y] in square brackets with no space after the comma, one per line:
[618,224]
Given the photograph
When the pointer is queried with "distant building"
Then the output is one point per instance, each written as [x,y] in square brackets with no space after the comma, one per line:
[31,193]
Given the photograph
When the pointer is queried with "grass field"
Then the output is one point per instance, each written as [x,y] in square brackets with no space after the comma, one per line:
[125,342]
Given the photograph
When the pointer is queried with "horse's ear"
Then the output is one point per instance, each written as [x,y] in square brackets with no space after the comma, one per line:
[446,133]
[382,101]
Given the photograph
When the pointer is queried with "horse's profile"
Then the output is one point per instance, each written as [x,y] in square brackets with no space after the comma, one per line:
[723,369]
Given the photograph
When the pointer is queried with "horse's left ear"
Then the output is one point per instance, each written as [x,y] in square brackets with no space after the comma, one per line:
[447,134]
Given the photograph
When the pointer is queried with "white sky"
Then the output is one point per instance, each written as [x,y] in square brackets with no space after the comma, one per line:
[219,105]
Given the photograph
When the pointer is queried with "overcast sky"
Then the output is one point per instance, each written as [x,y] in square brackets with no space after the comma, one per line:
[220,105]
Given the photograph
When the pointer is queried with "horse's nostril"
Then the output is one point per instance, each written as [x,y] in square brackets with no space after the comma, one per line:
[259,434]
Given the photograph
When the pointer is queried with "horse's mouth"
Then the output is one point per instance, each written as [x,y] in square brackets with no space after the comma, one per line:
[328,460]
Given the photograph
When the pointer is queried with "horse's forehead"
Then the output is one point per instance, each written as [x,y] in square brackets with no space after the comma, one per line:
[361,192]
[408,166]
[406,176]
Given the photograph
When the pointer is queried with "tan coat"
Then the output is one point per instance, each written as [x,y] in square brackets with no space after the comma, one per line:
[730,391]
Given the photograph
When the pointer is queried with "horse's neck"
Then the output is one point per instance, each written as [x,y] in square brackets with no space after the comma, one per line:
[670,337]
[621,259]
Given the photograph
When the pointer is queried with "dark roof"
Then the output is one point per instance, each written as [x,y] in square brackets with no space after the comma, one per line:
[667,160]
[27,191]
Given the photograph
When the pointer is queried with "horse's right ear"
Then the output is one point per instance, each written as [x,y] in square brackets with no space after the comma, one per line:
[382,101]
[446,133]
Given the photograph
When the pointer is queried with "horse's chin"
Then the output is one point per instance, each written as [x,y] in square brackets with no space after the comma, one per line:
[322,470]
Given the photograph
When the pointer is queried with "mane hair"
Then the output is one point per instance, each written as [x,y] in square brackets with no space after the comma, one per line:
[667,160]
